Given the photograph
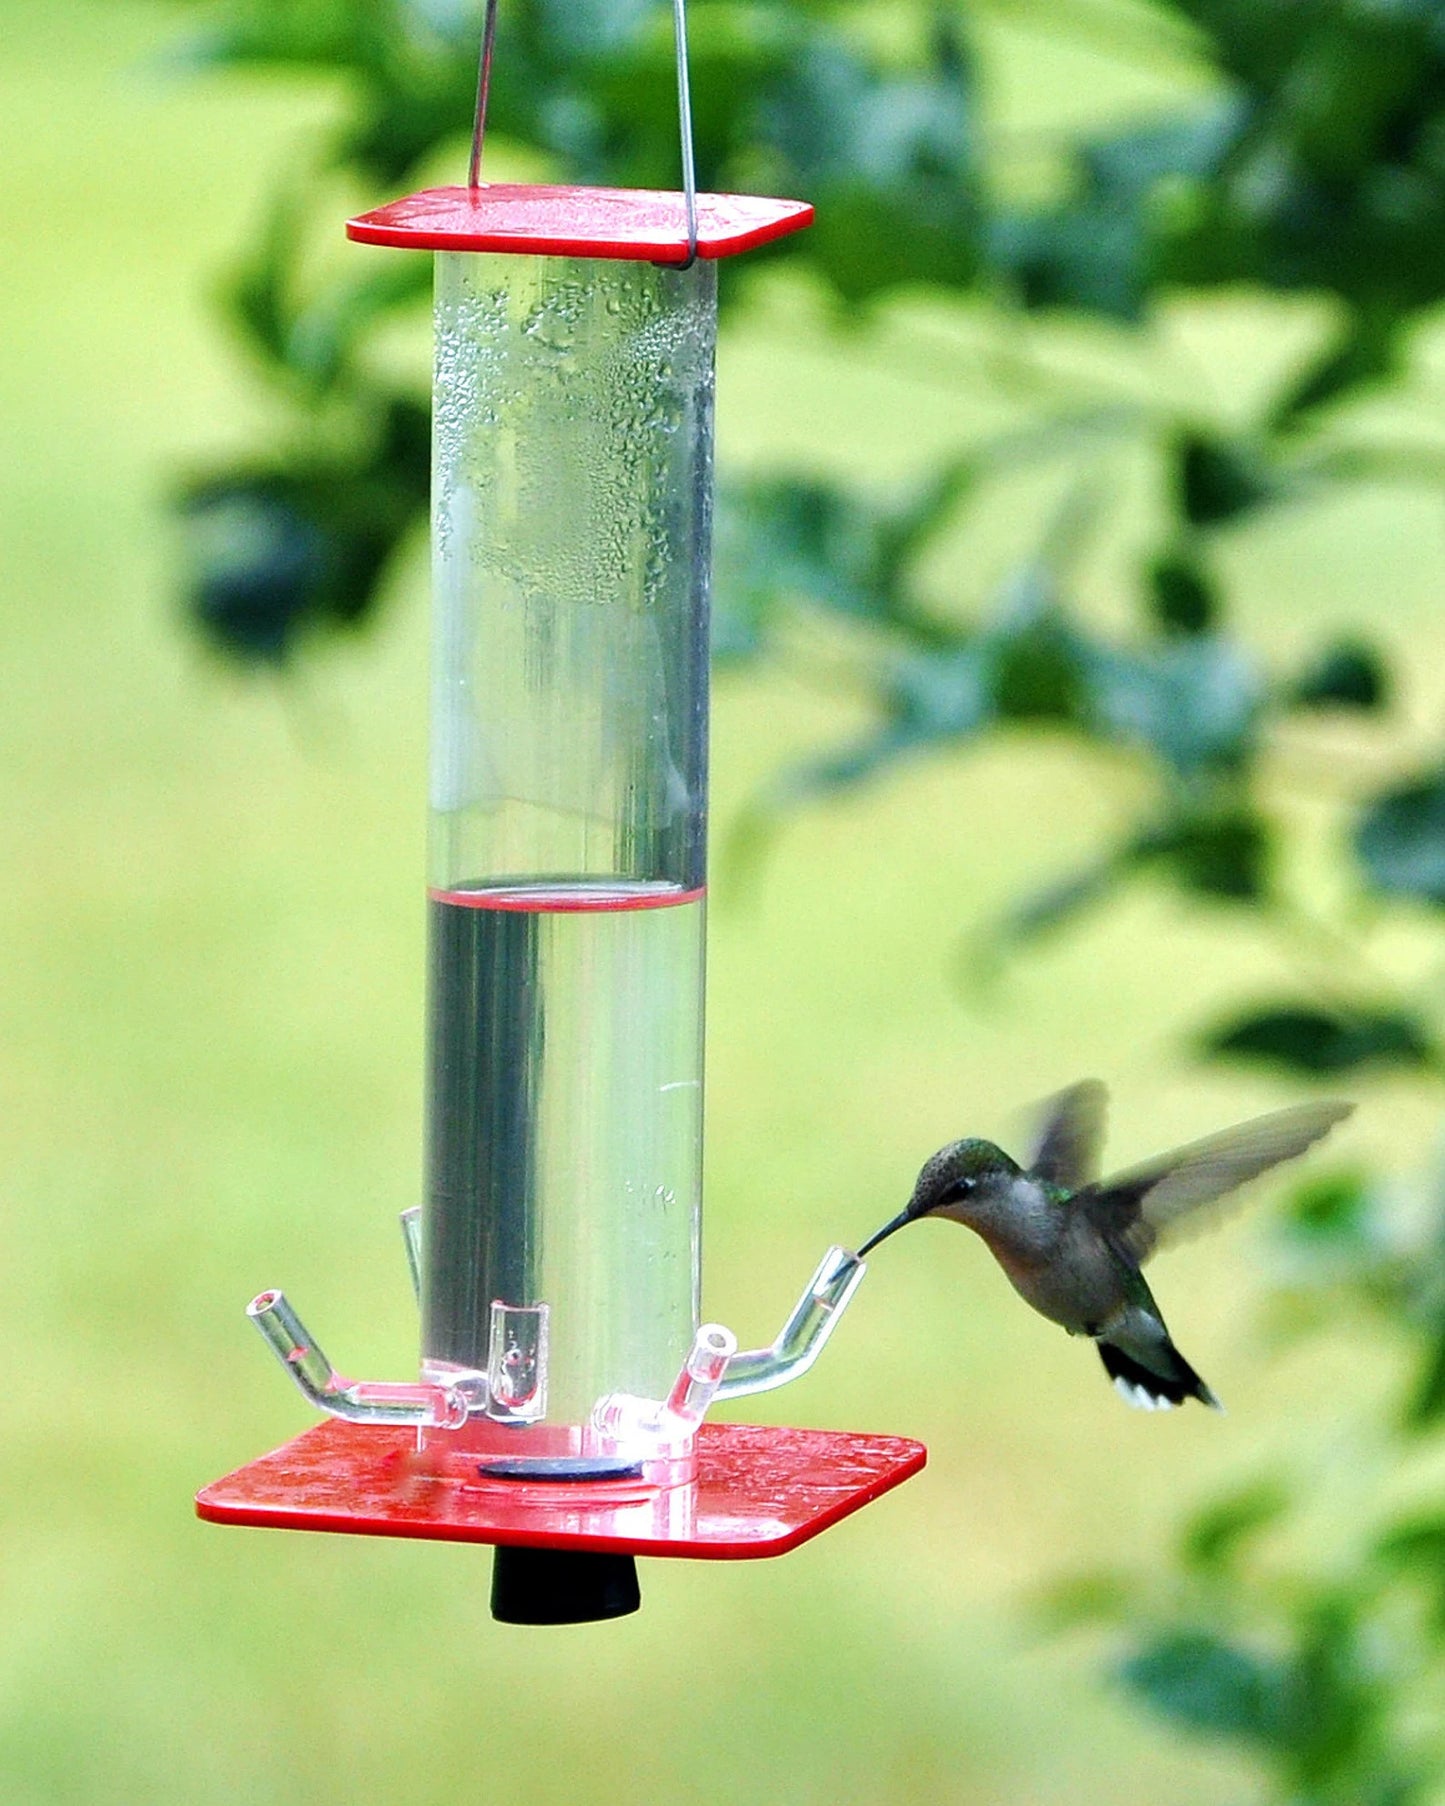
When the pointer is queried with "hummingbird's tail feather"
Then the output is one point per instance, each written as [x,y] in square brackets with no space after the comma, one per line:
[1148,1388]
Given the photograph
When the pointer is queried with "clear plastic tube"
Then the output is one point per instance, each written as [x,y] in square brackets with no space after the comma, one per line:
[805,1334]
[360,1401]
[572,486]
[702,1373]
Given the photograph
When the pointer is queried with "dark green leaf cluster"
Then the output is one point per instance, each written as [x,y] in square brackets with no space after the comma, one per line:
[1320,165]
[1323,1041]
[1182,697]
[1188,700]
[279,549]
[1400,840]
[1323,1667]
[1312,1701]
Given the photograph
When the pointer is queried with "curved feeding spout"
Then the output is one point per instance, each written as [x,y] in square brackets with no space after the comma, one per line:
[802,1338]
[621,1415]
[361,1401]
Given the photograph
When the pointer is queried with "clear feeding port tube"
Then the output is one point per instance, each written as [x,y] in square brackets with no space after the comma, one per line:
[805,1333]
[668,1425]
[361,1401]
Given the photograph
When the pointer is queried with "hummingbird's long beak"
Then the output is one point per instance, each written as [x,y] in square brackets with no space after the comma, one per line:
[883,1234]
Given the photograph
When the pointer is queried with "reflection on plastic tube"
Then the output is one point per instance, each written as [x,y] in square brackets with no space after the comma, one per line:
[411,1235]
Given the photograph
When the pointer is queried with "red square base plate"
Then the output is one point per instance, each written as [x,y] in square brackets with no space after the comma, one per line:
[759,1491]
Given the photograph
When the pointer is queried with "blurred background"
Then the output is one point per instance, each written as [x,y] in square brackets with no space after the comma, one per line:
[1078,709]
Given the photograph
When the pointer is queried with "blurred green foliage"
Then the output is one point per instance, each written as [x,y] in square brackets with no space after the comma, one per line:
[1313,162]
[1328,1674]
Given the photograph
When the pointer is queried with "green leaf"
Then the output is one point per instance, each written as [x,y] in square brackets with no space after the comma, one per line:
[1350,675]
[1320,1041]
[1096,251]
[1337,1237]
[1131,165]
[1417,1543]
[1400,840]
[1221,854]
[1338,1692]
[1427,1402]
[849,551]
[326,332]
[1215,1535]
[276,552]
[814,542]
[1038,660]
[1416,1549]
[1083,1599]
[256,565]
[1089,257]
[1199,1682]
[1217,482]
[1053,905]
[1354,76]
[911,520]
[841,770]
[943,694]
[1040,913]
[1365,353]
[806,541]
[1182,596]
[258,295]
[1194,702]
[1335,1209]
[889,157]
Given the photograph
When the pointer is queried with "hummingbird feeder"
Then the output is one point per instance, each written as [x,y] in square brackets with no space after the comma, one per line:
[565,1374]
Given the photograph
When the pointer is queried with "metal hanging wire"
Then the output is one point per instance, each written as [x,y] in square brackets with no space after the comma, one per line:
[684,126]
[484,83]
[684,114]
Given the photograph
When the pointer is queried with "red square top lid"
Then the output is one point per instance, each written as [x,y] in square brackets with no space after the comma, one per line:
[644,224]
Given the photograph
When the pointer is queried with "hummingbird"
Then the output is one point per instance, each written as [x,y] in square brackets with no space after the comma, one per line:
[1072,1246]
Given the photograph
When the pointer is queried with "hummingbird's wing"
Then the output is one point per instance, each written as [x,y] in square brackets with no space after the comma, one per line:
[1139,1209]
[1071,1132]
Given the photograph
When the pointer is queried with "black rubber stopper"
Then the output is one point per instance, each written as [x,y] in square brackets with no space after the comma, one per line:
[562,1586]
